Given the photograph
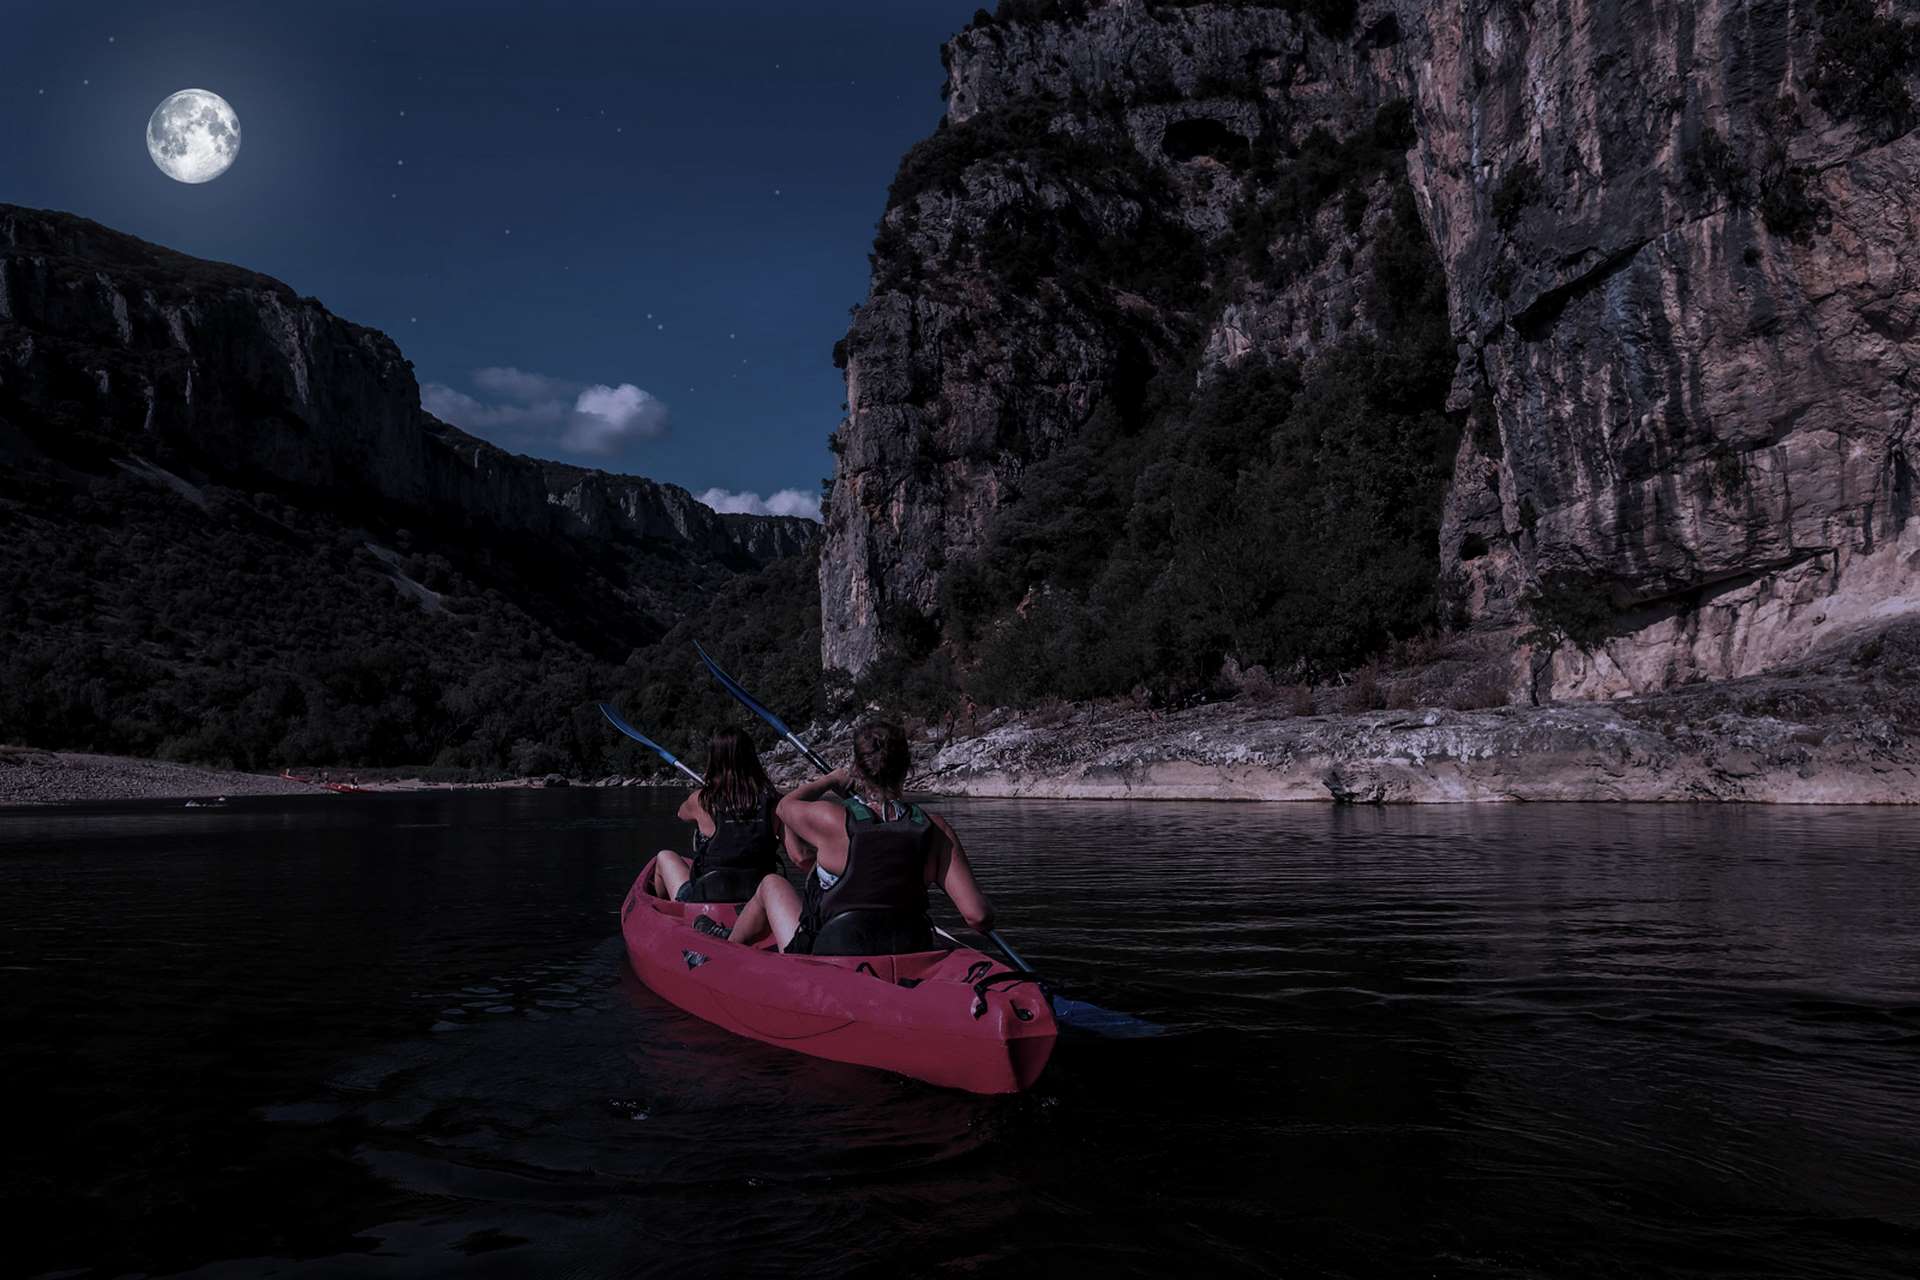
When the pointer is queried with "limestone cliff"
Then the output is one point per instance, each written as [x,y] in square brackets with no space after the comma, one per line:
[109,342]
[1049,249]
[1674,239]
[1677,241]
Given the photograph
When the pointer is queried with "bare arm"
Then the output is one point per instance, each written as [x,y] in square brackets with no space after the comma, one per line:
[798,851]
[813,789]
[954,874]
[690,809]
[810,820]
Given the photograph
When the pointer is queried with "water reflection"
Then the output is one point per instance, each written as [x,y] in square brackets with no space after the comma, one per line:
[1541,1040]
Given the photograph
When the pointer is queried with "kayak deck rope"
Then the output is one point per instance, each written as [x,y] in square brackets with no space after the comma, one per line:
[1006,977]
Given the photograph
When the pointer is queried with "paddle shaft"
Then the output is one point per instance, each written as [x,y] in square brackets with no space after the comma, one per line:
[807,751]
[1000,942]
[994,936]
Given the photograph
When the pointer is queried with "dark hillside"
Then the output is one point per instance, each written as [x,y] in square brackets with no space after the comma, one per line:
[229,535]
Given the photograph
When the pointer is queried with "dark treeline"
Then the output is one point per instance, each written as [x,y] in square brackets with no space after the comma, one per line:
[259,632]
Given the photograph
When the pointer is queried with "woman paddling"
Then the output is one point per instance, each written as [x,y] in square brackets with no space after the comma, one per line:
[736,829]
[875,856]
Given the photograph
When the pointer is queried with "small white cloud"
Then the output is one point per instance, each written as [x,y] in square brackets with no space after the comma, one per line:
[446,404]
[527,388]
[787,502]
[532,411]
[462,410]
[606,418]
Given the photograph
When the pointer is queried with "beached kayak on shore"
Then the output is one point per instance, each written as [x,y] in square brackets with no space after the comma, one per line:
[957,1018]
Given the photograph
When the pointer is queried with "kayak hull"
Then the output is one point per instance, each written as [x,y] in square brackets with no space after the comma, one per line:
[845,1008]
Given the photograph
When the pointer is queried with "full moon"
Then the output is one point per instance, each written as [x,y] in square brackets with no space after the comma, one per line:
[193,136]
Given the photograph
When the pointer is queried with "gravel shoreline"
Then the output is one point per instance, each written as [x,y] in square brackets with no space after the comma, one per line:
[29,777]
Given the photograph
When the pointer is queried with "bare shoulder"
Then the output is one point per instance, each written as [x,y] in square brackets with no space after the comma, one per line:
[818,815]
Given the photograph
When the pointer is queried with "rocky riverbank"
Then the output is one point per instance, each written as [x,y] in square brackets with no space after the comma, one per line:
[29,777]
[33,777]
[1843,728]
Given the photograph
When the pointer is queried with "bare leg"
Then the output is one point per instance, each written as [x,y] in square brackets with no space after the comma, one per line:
[670,871]
[775,905]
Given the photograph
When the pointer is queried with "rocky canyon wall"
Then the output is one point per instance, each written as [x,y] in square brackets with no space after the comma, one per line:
[112,347]
[1675,240]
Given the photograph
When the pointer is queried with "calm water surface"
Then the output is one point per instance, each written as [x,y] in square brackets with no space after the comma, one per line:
[395,1035]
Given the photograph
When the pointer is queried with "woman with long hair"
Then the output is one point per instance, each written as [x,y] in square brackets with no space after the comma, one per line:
[875,855]
[736,829]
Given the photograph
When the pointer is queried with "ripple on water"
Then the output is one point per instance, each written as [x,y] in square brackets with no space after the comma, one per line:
[1535,1041]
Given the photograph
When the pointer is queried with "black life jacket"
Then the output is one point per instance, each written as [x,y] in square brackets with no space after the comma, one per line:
[729,864]
[878,906]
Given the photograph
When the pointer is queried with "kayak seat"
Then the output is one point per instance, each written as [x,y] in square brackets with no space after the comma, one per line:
[725,885]
[873,933]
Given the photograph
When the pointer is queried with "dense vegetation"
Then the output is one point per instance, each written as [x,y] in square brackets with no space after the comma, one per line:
[262,632]
[1286,189]
[1288,519]
[1279,516]
[1860,66]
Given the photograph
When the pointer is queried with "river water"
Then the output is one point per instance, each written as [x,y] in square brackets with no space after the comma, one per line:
[396,1035]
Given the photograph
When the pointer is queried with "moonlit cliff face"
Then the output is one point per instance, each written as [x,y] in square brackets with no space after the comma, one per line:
[1677,247]
[119,348]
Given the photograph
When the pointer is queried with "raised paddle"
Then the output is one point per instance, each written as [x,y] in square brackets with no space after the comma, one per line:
[758,708]
[619,722]
[1089,1017]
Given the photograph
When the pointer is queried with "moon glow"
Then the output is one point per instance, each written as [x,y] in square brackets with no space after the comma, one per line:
[193,136]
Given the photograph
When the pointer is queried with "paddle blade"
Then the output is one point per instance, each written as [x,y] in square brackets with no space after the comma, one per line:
[1082,1016]
[619,722]
[746,699]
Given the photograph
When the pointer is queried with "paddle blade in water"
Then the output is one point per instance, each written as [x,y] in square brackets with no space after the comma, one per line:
[1082,1016]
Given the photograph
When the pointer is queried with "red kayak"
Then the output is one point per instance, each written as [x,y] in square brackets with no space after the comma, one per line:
[954,1018]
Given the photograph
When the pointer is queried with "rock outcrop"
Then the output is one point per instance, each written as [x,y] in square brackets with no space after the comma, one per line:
[1120,132]
[107,342]
[1843,728]
[1677,257]
[1675,239]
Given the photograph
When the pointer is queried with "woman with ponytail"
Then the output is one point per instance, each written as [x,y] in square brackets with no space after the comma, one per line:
[874,856]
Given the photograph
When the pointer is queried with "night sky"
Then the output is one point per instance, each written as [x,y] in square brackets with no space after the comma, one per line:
[675,199]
